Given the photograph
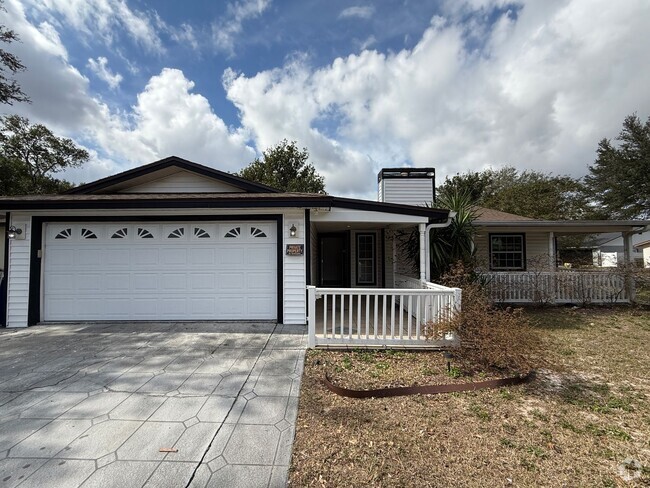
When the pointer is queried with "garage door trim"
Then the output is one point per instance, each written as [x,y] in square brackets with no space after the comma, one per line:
[35,274]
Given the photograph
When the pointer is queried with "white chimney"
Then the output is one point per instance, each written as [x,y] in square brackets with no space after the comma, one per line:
[409,186]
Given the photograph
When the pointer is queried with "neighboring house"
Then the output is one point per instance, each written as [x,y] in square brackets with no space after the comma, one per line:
[175,240]
[608,249]
[644,247]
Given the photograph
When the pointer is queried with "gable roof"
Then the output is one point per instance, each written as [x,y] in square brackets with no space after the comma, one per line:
[105,184]
[491,215]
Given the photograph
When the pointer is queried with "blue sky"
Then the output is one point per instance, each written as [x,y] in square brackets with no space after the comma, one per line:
[458,84]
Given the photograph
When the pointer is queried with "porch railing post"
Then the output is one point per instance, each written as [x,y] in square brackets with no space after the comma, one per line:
[311,320]
[458,298]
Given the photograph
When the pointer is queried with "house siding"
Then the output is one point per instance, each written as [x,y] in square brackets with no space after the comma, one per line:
[18,275]
[183,182]
[315,271]
[407,191]
[295,298]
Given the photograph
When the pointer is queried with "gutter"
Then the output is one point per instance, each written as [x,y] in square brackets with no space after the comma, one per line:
[427,238]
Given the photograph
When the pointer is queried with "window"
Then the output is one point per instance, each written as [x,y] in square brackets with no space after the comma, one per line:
[120,233]
[235,232]
[64,234]
[144,233]
[88,234]
[176,233]
[507,252]
[201,233]
[366,259]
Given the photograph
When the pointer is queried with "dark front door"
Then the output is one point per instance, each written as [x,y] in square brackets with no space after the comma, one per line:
[333,259]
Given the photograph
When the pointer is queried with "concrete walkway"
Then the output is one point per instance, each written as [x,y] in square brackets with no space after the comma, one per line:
[95,405]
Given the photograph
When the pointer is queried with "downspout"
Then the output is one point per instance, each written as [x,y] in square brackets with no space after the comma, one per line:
[427,248]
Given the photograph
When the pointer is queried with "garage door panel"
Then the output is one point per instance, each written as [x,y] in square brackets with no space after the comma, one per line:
[260,255]
[173,256]
[60,258]
[260,305]
[117,257]
[119,308]
[62,283]
[145,281]
[231,282]
[143,256]
[88,257]
[230,256]
[201,256]
[88,282]
[136,271]
[173,281]
[202,281]
[258,280]
[117,282]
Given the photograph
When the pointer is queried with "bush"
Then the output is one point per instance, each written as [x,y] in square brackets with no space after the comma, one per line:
[490,338]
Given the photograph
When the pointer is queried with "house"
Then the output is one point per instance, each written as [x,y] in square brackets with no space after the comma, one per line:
[175,240]
[608,249]
[644,247]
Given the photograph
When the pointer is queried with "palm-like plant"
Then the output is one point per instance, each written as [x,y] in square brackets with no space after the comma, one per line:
[450,244]
[455,242]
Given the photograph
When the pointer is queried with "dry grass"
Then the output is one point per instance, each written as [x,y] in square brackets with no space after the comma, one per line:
[573,426]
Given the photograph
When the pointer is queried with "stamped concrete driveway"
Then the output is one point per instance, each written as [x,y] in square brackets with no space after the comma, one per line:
[98,404]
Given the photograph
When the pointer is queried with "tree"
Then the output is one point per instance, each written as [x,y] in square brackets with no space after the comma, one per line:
[10,91]
[530,193]
[285,168]
[30,154]
[619,180]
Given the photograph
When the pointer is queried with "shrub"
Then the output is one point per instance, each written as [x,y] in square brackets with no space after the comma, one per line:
[490,338]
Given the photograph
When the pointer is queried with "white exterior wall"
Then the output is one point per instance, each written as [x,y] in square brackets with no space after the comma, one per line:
[313,239]
[295,279]
[537,252]
[183,182]
[18,274]
[294,275]
[407,191]
[646,257]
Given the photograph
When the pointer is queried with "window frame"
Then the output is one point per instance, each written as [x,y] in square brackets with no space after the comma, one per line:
[374,258]
[522,236]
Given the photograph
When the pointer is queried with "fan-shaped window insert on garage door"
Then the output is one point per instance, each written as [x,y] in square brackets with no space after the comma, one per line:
[160,271]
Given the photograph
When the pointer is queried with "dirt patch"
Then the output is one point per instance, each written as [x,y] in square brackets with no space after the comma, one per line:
[576,424]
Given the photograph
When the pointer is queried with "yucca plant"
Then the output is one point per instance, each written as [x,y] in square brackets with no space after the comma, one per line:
[448,245]
[455,242]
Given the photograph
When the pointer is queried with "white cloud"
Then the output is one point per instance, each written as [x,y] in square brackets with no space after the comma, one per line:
[546,85]
[168,119]
[226,30]
[184,34]
[100,68]
[104,18]
[357,12]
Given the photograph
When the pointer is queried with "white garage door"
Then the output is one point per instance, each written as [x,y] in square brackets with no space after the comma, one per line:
[160,271]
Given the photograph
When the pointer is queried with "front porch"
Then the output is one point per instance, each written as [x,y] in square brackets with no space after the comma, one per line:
[413,315]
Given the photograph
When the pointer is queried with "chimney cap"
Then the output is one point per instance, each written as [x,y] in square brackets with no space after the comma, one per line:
[386,173]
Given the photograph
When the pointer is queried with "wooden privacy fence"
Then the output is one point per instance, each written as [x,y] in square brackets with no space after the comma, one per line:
[381,317]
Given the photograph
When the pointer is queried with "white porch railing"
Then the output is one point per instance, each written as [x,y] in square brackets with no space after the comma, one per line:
[381,317]
[562,286]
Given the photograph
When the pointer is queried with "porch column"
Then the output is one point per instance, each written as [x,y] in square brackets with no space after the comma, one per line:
[552,264]
[394,258]
[552,259]
[423,253]
[628,265]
